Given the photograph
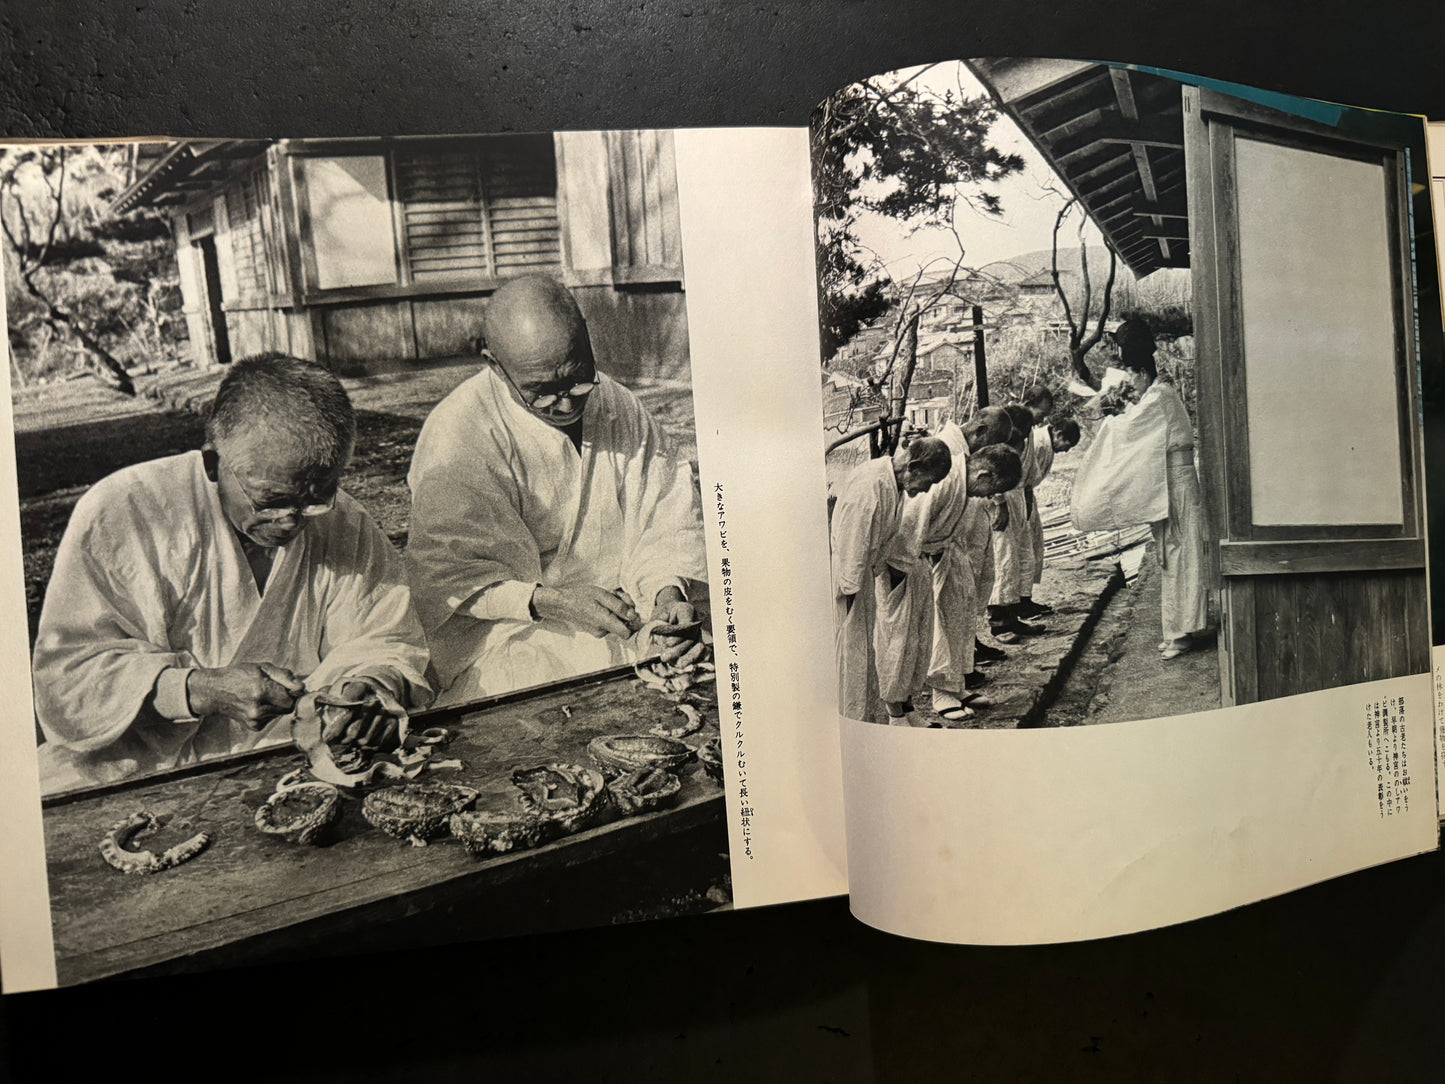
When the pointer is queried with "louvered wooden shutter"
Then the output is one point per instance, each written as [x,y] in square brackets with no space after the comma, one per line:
[442,208]
[522,205]
[486,212]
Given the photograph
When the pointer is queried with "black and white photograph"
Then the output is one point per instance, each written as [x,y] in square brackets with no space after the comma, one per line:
[1122,394]
[363,543]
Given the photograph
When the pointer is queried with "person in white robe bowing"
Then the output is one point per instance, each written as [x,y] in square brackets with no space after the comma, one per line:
[1039,402]
[1045,440]
[1012,547]
[550,516]
[1059,435]
[1038,399]
[882,602]
[978,521]
[194,598]
[936,522]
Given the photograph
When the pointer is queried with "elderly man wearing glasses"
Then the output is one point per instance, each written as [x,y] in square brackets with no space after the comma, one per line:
[549,515]
[196,597]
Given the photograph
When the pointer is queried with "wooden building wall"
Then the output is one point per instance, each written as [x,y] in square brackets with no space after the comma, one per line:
[1322,631]
[465,215]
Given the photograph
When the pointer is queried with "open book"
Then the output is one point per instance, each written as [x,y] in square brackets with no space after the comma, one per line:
[670,454]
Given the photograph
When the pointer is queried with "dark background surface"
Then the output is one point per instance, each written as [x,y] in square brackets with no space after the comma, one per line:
[1343,980]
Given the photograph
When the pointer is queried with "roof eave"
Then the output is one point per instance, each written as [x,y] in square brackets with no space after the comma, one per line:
[162,182]
[1010,82]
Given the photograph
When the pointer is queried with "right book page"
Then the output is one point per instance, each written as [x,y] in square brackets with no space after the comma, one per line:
[1124,376]
[1434,451]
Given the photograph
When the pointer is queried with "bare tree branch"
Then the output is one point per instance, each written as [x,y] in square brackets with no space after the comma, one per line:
[882,99]
[10,190]
[7,198]
[1058,284]
[1081,339]
[105,364]
[1093,339]
[57,194]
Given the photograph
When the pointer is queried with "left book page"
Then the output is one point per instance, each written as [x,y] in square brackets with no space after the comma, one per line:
[500,618]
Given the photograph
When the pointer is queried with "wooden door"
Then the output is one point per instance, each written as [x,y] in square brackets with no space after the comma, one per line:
[220,336]
[1308,399]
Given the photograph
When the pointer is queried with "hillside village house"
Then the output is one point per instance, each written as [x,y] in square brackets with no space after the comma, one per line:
[1010,296]
[366,254]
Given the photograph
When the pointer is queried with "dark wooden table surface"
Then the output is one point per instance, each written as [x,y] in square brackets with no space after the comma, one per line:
[250,887]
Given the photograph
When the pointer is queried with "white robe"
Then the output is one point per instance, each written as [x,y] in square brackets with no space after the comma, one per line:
[935,521]
[978,543]
[151,575]
[881,628]
[1140,469]
[1179,539]
[1043,464]
[503,502]
[903,624]
[1012,546]
[1121,482]
[865,521]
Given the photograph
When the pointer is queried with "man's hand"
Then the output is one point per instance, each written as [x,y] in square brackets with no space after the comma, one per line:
[1000,517]
[672,609]
[371,727]
[251,693]
[593,610]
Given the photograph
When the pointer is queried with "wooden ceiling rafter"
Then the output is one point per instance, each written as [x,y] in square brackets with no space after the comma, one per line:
[1114,138]
[1129,108]
[1037,85]
[1159,212]
[1119,164]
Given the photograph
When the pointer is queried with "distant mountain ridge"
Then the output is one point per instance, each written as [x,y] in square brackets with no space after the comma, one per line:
[1026,264]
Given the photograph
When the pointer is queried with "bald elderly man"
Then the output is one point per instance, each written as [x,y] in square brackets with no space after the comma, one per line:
[550,516]
[195,597]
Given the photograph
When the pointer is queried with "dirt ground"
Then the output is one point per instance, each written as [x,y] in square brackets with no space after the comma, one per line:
[1097,662]
[70,435]
[1098,659]
[1138,684]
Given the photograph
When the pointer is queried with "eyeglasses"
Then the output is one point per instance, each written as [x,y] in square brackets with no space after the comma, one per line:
[274,511]
[576,391]
[542,400]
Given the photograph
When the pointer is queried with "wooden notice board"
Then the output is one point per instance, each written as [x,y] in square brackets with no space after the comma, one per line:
[1308,396]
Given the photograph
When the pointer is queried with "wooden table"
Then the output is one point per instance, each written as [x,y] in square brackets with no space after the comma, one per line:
[253,890]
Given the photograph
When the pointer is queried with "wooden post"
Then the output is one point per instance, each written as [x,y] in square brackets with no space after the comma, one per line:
[980,364]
